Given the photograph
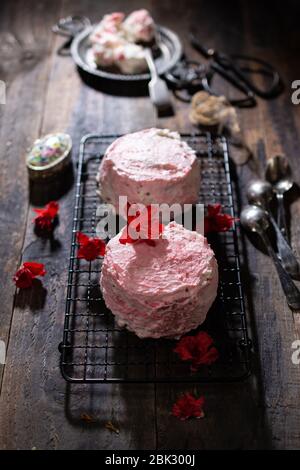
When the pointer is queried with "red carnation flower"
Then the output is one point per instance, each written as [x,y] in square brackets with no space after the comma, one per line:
[217,221]
[148,229]
[188,406]
[27,272]
[198,349]
[46,215]
[90,248]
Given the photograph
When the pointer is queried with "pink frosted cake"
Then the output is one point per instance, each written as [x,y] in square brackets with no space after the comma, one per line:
[152,166]
[117,42]
[164,290]
[139,27]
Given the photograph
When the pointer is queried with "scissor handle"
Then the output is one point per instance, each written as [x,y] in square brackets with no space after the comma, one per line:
[239,75]
[242,72]
[249,100]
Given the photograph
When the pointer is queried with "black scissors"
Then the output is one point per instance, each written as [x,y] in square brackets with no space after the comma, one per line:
[236,69]
[187,77]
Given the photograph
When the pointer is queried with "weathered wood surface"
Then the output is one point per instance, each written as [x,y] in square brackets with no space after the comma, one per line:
[37,408]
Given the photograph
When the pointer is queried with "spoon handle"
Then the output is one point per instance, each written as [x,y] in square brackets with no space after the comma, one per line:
[289,288]
[281,219]
[285,252]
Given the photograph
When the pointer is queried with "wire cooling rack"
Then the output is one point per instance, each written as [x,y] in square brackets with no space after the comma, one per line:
[94,348]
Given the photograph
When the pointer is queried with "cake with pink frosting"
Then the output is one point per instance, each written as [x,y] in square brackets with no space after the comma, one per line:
[164,290]
[152,166]
[139,27]
[119,43]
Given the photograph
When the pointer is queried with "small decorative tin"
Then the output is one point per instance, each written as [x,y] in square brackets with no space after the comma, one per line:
[49,155]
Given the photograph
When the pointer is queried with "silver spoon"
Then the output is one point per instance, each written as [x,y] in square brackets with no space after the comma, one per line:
[255,219]
[279,174]
[261,193]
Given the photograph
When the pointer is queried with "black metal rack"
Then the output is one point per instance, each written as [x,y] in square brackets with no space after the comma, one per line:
[94,349]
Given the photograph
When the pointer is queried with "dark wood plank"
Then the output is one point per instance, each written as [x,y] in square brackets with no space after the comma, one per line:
[25,63]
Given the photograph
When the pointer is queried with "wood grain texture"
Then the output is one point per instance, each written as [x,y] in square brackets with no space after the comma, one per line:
[37,408]
[25,66]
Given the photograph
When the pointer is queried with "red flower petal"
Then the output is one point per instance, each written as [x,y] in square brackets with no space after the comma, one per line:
[46,215]
[27,272]
[216,221]
[198,349]
[39,211]
[89,248]
[82,238]
[125,238]
[214,209]
[43,222]
[52,209]
[188,406]
[149,229]
[23,278]
[36,269]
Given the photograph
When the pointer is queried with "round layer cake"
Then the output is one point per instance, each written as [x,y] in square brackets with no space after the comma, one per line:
[152,166]
[164,290]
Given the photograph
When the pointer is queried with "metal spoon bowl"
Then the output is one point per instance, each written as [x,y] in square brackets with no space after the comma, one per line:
[279,173]
[255,219]
[261,193]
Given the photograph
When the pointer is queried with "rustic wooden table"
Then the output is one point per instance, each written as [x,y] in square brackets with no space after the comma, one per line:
[44,94]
